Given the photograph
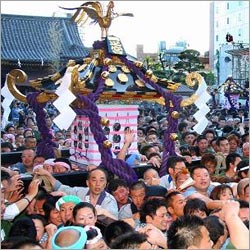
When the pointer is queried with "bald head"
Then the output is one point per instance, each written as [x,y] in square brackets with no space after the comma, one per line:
[241,186]
[67,237]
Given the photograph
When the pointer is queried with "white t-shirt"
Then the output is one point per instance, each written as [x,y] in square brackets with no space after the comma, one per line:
[11,212]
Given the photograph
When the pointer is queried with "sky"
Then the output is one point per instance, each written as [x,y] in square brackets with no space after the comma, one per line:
[153,21]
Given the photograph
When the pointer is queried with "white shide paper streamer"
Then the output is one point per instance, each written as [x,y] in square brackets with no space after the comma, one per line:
[201,104]
[8,99]
[65,98]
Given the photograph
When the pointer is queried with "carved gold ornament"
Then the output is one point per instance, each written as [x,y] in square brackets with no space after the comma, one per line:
[138,64]
[122,78]
[175,114]
[125,69]
[107,61]
[107,144]
[191,80]
[149,73]
[105,74]
[112,68]
[105,121]
[109,82]
[173,136]
[140,83]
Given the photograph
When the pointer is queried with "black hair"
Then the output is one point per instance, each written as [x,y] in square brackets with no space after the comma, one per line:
[5,176]
[196,167]
[216,192]
[39,217]
[83,204]
[243,204]
[49,205]
[116,228]
[184,232]
[181,126]
[19,242]
[23,227]
[193,205]
[214,227]
[169,197]
[220,139]
[172,160]
[114,184]
[130,240]
[231,159]
[240,166]
[91,233]
[150,207]
[201,137]
[7,144]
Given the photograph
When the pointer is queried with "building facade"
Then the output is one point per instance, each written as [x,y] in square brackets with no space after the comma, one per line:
[229,57]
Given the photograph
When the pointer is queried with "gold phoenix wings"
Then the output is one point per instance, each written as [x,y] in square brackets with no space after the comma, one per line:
[95,11]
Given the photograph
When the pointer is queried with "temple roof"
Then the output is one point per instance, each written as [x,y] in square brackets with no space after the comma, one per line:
[36,39]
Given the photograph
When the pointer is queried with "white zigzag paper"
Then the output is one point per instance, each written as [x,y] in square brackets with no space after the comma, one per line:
[65,98]
[201,104]
[8,99]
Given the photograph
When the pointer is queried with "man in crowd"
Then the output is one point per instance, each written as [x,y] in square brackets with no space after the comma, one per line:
[95,193]
[175,164]
[189,232]
[155,212]
[120,190]
[26,166]
[223,150]
[137,195]
[175,204]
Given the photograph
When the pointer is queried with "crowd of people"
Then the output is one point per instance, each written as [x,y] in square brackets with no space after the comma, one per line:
[201,202]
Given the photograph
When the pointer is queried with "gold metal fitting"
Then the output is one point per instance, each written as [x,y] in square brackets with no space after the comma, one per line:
[107,144]
[173,136]
[104,121]
[171,105]
[149,73]
[175,114]
[107,61]
[154,78]
[105,74]
[193,78]
[138,64]
[71,63]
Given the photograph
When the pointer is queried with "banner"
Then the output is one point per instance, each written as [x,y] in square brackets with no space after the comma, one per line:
[84,149]
[234,100]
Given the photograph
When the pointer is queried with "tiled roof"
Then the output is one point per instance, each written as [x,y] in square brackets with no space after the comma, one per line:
[184,90]
[35,38]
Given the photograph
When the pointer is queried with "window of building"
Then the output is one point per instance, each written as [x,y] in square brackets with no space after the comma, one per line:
[240,3]
[228,6]
[217,24]
[239,32]
[239,17]
[217,10]
[217,38]
[227,20]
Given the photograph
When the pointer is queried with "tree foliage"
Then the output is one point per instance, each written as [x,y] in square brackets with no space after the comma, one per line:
[189,61]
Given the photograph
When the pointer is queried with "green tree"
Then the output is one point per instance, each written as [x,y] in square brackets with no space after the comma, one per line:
[209,77]
[189,61]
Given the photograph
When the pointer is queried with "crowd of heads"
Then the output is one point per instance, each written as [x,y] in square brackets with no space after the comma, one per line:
[195,204]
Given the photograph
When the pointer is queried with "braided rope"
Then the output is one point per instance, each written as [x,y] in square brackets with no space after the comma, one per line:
[116,166]
[46,146]
[168,144]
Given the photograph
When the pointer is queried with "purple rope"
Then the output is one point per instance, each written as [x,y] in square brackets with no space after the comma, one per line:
[116,166]
[46,146]
[168,144]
